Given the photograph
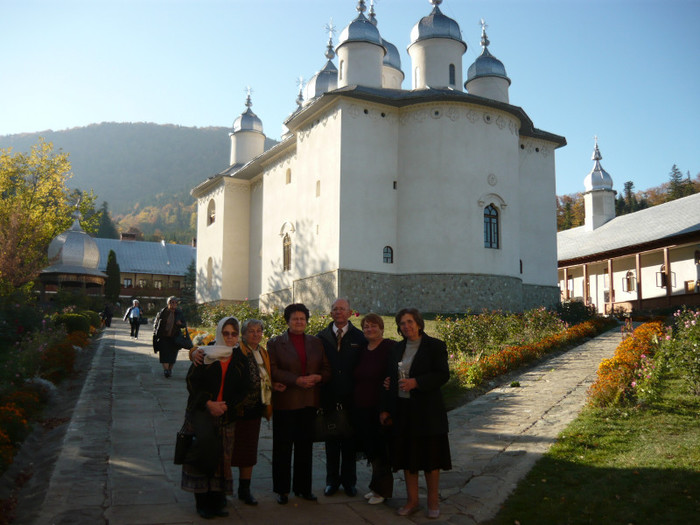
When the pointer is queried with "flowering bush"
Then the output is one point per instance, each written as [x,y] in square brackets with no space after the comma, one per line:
[13,422]
[7,450]
[630,375]
[472,371]
[683,347]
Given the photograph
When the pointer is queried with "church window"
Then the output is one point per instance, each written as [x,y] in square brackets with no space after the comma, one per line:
[210,272]
[662,278]
[143,283]
[127,283]
[395,185]
[341,70]
[211,212]
[490,227]
[628,282]
[416,77]
[288,178]
[388,256]
[453,75]
[318,188]
[158,285]
[286,253]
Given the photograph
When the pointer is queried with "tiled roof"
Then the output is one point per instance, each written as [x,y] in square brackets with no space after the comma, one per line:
[147,257]
[666,220]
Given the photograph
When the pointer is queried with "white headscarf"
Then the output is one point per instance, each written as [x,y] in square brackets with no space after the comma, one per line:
[218,351]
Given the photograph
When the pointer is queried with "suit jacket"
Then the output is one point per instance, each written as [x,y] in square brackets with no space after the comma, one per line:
[340,388]
[285,367]
[430,370]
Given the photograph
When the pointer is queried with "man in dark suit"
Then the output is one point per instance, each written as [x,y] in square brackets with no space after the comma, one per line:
[342,343]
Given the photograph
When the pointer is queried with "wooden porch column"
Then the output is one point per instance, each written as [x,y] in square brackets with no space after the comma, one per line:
[586,287]
[638,271]
[566,284]
[667,266]
[611,287]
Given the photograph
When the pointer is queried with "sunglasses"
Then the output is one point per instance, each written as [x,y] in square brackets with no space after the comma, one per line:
[229,334]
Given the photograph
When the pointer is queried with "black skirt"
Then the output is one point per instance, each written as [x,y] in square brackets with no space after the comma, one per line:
[416,453]
[167,350]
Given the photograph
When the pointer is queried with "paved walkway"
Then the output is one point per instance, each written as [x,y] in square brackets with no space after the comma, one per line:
[115,464]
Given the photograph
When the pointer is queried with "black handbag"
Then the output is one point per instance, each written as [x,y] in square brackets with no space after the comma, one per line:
[183,442]
[183,340]
[332,424]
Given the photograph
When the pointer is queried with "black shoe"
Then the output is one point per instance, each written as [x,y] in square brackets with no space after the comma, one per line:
[309,496]
[247,498]
[282,499]
[206,514]
[351,491]
[330,490]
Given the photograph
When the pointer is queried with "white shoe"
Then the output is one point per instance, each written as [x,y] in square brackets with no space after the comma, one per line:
[369,495]
[376,500]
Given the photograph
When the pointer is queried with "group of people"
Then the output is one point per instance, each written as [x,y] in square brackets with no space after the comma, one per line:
[391,392]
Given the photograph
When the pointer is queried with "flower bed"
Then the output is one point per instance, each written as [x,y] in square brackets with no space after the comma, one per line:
[622,378]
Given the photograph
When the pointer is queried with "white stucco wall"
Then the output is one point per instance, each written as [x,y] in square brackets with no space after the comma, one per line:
[446,153]
[538,221]
[433,57]
[360,64]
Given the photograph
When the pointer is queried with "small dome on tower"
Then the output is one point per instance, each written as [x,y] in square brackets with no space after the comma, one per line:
[486,65]
[360,30]
[598,178]
[326,79]
[248,121]
[392,57]
[436,25]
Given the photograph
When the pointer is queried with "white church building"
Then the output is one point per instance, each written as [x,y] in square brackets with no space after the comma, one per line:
[429,197]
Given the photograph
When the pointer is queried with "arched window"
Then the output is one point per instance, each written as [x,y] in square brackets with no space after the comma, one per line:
[628,284]
[453,75]
[318,188]
[490,227]
[341,70]
[286,253]
[211,212]
[416,77]
[288,177]
[388,256]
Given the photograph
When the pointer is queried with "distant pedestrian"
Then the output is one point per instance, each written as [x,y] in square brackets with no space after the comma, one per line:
[106,314]
[133,315]
[167,326]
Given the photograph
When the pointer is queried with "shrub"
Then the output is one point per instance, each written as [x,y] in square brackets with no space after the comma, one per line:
[28,399]
[7,451]
[13,421]
[92,317]
[57,361]
[575,312]
[683,348]
[72,322]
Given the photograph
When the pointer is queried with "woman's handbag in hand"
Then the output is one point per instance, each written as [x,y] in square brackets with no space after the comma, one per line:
[183,442]
[332,424]
[183,340]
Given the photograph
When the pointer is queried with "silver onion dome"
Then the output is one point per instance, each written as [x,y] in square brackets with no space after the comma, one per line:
[486,65]
[248,121]
[74,251]
[322,82]
[436,25]
[598,178]
[360,30]
[392,57]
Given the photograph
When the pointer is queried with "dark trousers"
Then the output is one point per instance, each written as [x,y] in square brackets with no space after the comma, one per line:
[291,431]
[341,468]
[135,324]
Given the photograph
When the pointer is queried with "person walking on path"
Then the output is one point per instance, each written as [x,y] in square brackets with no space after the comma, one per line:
[342,343]
[167,326]
[133,315]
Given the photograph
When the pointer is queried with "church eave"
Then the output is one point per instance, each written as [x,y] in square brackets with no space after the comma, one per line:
[400,98]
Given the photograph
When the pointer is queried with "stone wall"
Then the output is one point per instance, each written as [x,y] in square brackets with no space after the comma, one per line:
[535,296]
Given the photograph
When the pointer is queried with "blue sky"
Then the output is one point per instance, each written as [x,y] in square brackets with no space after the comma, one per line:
[627,71]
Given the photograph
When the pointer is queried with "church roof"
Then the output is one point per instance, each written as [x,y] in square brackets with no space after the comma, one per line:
[73,252]
[147,257]
[665,221]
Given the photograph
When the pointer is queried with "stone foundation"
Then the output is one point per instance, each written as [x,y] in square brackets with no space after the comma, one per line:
[535,296]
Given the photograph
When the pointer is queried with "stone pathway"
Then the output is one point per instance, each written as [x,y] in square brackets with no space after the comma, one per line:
[115,465]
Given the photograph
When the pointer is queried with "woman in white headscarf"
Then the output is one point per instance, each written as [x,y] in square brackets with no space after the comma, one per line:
[215,390]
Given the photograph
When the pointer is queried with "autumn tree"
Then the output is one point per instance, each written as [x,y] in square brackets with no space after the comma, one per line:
[35,206]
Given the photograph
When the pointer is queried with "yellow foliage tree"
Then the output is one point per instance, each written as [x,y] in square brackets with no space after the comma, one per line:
[35,206]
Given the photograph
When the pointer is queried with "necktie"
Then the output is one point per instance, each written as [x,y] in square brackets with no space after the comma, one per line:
[339,337]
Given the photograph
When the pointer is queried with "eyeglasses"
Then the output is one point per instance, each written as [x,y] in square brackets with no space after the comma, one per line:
[229,334]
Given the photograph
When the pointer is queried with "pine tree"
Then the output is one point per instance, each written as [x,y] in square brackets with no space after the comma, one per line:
[107,230]
[188,299]
[113,282]
[677,186]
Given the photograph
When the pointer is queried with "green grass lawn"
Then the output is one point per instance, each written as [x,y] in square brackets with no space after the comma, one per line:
[638,465]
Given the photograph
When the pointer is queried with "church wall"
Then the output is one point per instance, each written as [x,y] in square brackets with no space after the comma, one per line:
[363,68]
[235,217]
[538,222]
[454,161]
[256,237]
[369,166]
[209,246]
[245,146]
